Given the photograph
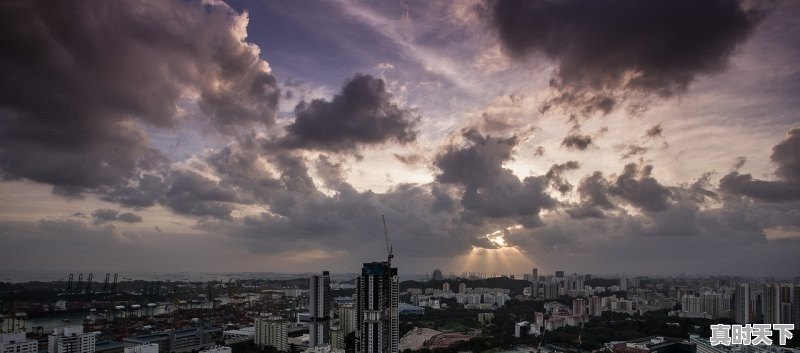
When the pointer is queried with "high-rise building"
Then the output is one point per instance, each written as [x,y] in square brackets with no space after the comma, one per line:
[796,306]
[691,304]
[347,318]
[437,275]
[559,274]
[623,283]
[17,343]
[377,292]
[272,331]
[711,303]
[446,287]
[462,288]
[337,338]
[535,282]
[578,307]
[71,339]
[742,300]
[319,291]
[777,303]
[551,290]
[595,306]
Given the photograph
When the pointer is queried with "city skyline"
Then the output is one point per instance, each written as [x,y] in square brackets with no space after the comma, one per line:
[247,136]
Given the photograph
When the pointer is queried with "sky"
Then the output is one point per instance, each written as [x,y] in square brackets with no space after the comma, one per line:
[608,136]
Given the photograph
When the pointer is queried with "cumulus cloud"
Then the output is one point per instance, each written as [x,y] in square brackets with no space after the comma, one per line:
[637,187]
[593,191]
[87,77]
[607,51]
[786,156]
[490,190]
[363,113]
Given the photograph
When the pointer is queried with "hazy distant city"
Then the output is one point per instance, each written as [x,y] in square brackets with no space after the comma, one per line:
[399,176]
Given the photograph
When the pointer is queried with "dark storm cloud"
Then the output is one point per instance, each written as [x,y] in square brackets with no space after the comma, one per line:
[685,235]
[85,76]
[786,156]
[141,191]
[575,141]
[194,194]
[104,215]
[701,190]
[363,113]
[555,176]
[636,186]
[606,50]
[593,191]
[490,190]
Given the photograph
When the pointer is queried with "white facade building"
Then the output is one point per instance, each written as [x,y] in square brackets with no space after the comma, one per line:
[272,331]
[71,339]
[17,343]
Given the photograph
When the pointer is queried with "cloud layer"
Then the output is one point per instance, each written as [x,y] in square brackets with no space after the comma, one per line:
[609,50]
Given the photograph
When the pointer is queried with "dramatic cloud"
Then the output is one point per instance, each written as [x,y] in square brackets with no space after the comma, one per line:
[86,77]
[490,190]
[637,187]
[594,197]
[193,194]
[104,215]
[363,113]
[606,50]
[161,129]
[786,155]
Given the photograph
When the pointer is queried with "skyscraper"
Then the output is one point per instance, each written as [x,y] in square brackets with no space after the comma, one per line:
[535,283]
[377,291]
[319,291]
[742,307]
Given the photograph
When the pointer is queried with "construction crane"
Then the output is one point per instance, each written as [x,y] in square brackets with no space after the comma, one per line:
[388,246]
[105,284]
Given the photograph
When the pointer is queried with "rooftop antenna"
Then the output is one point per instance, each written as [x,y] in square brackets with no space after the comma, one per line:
[386,234]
